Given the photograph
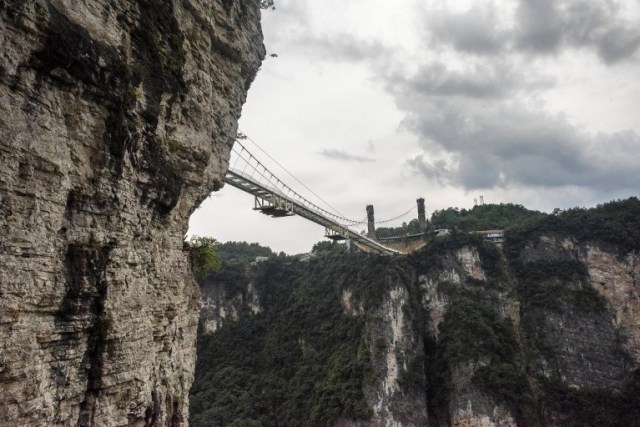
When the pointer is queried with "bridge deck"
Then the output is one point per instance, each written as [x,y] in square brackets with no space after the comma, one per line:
[281,202]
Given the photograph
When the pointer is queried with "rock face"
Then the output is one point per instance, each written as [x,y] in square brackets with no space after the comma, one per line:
[395,349]
[116,121]
[220,306]
[448,282]
[541,332]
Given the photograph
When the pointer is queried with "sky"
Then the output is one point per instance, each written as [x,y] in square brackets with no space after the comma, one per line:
[534,102]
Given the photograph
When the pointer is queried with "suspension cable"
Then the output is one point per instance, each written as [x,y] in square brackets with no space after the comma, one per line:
[396,217]
[274,179]
[292,175]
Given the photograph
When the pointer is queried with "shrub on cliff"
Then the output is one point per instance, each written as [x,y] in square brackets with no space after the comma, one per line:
[204,255]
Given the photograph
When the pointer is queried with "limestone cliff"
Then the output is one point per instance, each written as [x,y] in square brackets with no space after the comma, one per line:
[116,121]
[541,332]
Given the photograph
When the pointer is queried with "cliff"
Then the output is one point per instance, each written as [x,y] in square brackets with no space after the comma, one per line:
[116,121]
[541,332]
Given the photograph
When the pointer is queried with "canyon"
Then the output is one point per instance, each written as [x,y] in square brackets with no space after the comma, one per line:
[540,330]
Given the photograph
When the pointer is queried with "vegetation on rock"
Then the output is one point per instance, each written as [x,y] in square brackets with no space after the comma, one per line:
[302,360]
[481,217]
[484,217]
[307,359]
[204,255]
[616,224]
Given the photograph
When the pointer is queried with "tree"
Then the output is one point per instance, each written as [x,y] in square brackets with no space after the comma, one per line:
[204,255]
[326,246]
[484,217]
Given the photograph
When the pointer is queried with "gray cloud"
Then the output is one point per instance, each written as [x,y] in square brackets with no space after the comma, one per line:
[545,26]
[541,27]
[478,110]
[489,80]
[473,31]
[344,156]
[480,82]
[510,144]
[618,43]
[343,47]
[474,113]
[437,170]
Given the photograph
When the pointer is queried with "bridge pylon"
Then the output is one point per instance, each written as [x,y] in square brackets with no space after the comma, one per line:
[274,198]
[422,215]
[371,223]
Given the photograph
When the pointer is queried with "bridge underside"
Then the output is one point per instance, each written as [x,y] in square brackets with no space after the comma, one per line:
[405,244]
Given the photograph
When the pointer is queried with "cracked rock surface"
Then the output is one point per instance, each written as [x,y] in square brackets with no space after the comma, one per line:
[116,121]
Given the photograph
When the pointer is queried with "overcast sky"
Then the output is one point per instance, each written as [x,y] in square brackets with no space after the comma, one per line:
[535,102]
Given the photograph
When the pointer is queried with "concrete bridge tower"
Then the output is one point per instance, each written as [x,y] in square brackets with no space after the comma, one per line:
[371,223]
[422,215]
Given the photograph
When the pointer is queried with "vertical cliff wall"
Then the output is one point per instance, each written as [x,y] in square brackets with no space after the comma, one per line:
[116,120]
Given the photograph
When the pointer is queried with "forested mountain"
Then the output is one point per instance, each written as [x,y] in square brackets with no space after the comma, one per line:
[541,331]
[241,252]
[480,217]
[484,217]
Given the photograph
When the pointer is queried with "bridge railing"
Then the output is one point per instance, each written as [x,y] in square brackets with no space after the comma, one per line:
[275,198]
[245,164]
[248,174]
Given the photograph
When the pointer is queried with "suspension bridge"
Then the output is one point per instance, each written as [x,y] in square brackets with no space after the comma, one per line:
[275,198]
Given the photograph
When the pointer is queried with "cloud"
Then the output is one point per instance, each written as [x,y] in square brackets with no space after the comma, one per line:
[371,146]
[546,26]
[474,31]
[512,145]
[474,94]
[298,33]
[344,156]
[475,99]
[534,28]
[485,80]
[437,170]
[537,27]
[342,47]
[618,43]
[478,82]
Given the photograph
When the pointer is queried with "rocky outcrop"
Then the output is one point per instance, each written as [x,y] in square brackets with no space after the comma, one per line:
[395,349]
[618,280]
[455,276]
[463,333]
[547,333]
[116,121]
[582,309]
[220,305]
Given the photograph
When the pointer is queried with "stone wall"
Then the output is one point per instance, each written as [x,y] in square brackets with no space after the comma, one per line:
[116,121]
